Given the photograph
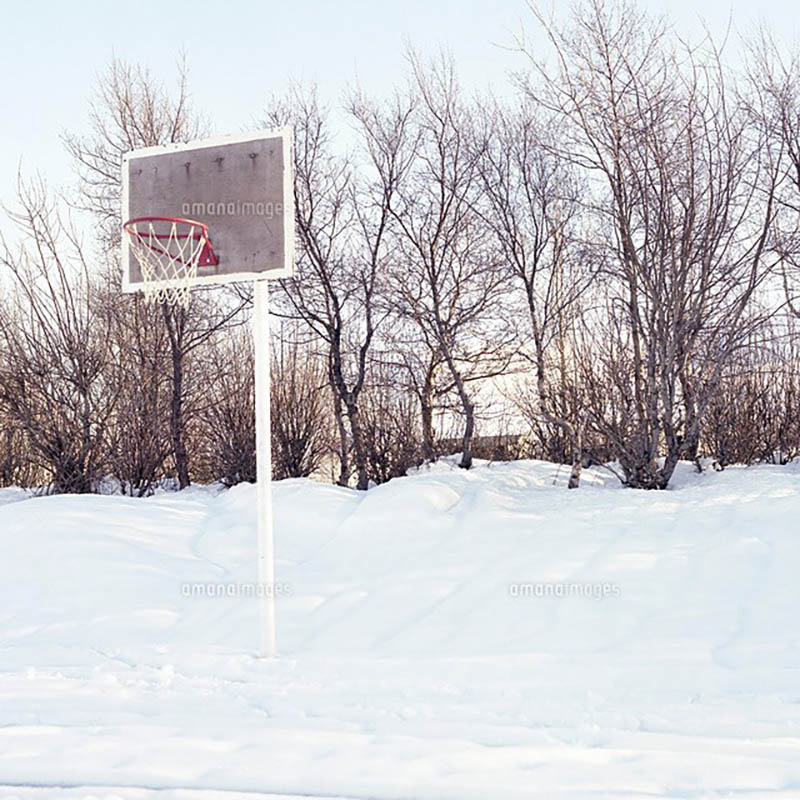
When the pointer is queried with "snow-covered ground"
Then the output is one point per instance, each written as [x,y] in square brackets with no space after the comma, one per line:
[449,635]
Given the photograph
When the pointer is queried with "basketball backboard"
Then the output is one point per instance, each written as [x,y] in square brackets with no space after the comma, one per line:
[239,187]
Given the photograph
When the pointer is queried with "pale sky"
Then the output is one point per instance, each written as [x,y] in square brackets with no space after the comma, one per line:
[239,52]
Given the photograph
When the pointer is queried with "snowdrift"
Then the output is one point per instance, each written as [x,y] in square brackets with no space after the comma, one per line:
[450,635]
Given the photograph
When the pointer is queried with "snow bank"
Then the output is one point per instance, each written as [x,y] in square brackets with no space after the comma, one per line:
[482,634]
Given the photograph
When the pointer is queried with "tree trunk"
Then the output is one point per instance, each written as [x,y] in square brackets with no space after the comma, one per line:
[577,458]
[469,430]
[665,473]
[426,406]
[344,457]
[574,436]
[176,424]
[358,446]
[428,443]
[174,322]
[466,404]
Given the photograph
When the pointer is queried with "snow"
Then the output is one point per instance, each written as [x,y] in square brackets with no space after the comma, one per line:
[450,635]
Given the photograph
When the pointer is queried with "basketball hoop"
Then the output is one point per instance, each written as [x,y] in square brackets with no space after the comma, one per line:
[246,185]
[169,251]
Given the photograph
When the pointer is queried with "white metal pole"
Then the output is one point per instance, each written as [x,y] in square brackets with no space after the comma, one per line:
[266,551]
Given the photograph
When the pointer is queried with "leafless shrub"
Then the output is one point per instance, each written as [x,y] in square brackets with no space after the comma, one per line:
[302,431]
[138,433]
[545,440]
[16,468]
[54,384]
[391,429]
[226,440]
[755,416]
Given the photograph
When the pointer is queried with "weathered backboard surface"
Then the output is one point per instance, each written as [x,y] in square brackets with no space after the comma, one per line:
[241,187]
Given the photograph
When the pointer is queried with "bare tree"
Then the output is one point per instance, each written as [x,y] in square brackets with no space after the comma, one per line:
[341,223]
[447,281]
[132,109]
[773,97]
[532,206]
[684,189]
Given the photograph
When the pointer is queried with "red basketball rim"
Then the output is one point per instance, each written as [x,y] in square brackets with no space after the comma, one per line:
[151,239]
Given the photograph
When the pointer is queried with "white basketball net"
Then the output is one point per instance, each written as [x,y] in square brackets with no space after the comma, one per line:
[168,252]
